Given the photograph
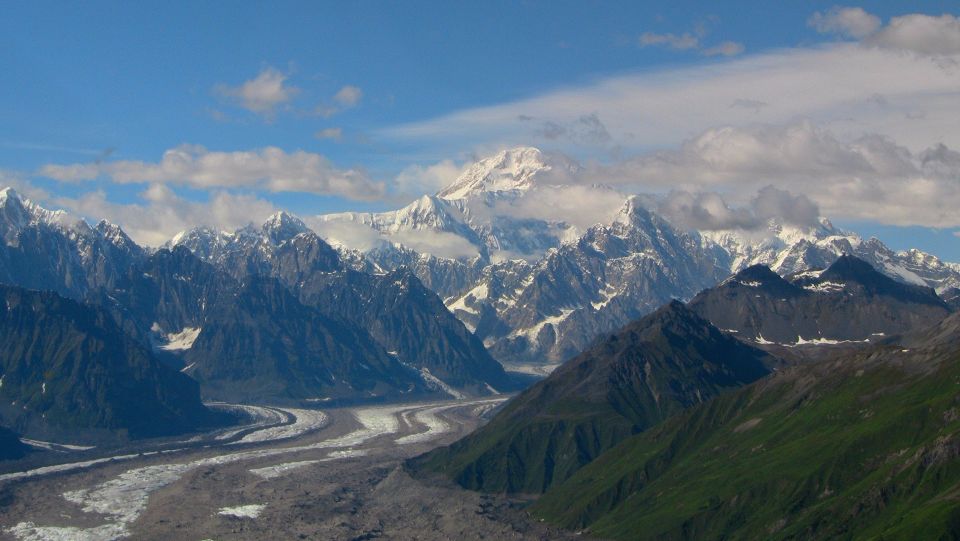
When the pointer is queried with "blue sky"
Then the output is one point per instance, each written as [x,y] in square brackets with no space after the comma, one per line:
[366,91]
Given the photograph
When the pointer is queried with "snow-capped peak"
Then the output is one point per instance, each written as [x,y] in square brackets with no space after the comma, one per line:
[283,226]
[17,212]
[511,170]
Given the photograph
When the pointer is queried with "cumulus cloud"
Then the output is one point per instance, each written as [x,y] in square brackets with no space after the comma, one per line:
[347,230]
[354,235]
[871,177]
[268,168]
[418,179]
[347,97]
[15,180]
[262,94]
[923,34]
[579,205]
[709,211]
[916,32]
[853,22]
[438,243]
[162,213]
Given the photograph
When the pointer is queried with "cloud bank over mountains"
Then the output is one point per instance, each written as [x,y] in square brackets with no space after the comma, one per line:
[861,128]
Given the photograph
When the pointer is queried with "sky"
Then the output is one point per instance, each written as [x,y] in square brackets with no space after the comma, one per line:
[164,115]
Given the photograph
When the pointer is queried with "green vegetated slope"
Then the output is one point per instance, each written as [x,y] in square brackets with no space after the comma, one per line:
[861,447]
[649,370]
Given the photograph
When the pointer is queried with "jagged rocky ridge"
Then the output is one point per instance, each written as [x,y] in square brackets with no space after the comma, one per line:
[538,290]
[167,299]
[849,301]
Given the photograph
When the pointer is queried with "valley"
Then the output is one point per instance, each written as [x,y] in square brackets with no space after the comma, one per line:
[295,473]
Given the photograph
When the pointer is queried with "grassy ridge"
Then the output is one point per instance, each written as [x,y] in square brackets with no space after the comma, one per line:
[646,372]
[866,448]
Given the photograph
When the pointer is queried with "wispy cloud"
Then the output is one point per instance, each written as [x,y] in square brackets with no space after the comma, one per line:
[726,48]
[832,85]
[691,41]
[268,168]
[681,42]
[335,134]
[41,147]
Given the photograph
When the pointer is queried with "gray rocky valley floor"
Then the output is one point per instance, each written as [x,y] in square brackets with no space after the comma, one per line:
[342,481]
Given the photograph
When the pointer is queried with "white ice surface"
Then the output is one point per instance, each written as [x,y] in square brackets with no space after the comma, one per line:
[243,511]
[123,499]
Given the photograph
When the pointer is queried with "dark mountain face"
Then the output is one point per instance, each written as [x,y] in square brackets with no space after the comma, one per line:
[11,448]
[865,444]
[43,250]
[411,321]
[849,301]
[262,343]
[165,293]
[647,371]
[67,367]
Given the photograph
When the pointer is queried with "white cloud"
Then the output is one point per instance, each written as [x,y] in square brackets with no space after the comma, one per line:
[340,229]
[845,21]
[347,233]
[916,32]
[417,179]
[579,205]
[438,243]
[870,178]
[690,41]
[921,34]
[727,48]
[16,181]
[335,134]
[347,97]
[676,42]
[268,168]
[262,94]
[162,213]
[833,85]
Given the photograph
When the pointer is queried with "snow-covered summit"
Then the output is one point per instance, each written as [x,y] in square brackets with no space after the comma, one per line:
[18,212]
[283,226]
[513,170]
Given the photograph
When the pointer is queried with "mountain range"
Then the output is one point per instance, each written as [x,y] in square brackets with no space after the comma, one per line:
[274,314]
[849,301]
[439,296]
[537,286]
[672,428]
